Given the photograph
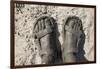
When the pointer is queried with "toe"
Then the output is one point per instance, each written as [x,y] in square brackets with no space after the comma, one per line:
[36,28]
[77,27]
[42,24]
[39,25]
[47,23]
[52,22]
[74,28]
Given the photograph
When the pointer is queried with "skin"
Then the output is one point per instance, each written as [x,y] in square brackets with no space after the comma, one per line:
[72,34]
[47,44]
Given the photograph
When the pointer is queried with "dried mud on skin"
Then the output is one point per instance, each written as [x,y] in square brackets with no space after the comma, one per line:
[26,52]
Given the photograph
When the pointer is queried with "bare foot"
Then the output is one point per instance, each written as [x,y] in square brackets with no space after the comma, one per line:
[72,32]
[44,34]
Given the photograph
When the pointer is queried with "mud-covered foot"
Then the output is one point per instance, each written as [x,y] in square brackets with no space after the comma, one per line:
[44,35]
[72,32]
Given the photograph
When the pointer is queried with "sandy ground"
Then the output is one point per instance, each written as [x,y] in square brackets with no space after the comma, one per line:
[25,48]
